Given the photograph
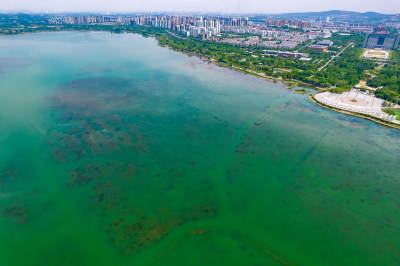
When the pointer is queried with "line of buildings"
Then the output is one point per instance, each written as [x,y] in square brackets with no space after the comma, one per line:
[288,22]
[82,19]
[187,25]
[320,26]
[283,43]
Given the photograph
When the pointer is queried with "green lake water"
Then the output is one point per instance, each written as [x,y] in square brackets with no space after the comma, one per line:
[115,151]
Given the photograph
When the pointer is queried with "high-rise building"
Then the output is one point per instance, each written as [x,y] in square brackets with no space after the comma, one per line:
[218,26]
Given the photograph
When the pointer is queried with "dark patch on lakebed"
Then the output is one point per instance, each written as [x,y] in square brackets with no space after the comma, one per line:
[94,119]
[14,62]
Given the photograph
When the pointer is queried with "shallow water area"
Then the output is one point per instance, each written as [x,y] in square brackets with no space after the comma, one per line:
[116,151]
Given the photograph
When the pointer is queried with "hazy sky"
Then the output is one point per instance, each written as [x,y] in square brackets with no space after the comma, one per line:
[224,6]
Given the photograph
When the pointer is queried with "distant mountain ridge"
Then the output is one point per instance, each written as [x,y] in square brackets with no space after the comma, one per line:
[353,16]
[338,13]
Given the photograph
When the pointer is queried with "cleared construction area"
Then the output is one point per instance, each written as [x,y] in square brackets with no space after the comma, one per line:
[376,54]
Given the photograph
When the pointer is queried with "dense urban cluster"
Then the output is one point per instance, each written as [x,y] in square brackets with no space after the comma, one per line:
[186,25]
[285,34]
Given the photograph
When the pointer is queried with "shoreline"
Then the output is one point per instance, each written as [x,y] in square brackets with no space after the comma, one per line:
[360,115]
[290,84]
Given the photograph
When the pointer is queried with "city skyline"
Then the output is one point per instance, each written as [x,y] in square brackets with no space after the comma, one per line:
[206,6]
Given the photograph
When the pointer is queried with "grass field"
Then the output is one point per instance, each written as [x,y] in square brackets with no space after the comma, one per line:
[393,111]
